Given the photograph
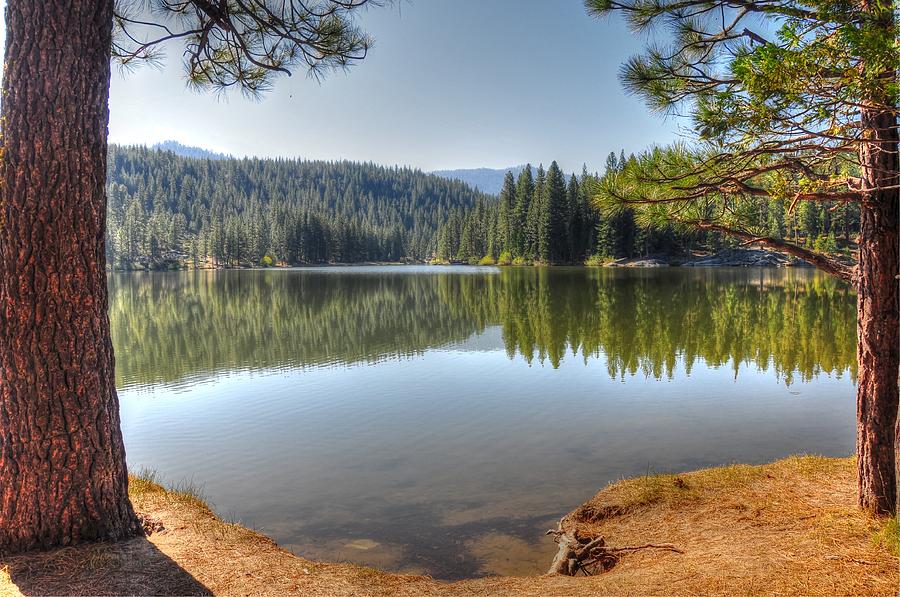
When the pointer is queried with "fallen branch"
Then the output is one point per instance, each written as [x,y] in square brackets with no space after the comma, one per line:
[849,559]
[667,546]
[583,555]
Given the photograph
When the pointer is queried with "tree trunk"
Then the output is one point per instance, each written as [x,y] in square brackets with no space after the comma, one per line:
[878,338]
[62,461]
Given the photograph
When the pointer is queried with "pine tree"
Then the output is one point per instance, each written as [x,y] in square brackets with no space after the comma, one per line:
[467,249]
[807,113]
[524,193]
[506,213]
[533,221]
[573,236]
[552,223]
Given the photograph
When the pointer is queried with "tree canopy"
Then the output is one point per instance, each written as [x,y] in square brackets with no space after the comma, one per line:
[573,231]
[166,210]
[61,439]
[773,91]
[242,43]
[794,102]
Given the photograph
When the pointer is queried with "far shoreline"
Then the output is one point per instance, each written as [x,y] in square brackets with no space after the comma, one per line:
[733,257]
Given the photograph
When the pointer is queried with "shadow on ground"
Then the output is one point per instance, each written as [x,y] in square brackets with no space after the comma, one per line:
[131,567]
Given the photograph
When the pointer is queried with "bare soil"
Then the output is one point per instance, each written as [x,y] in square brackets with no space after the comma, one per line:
[787,528]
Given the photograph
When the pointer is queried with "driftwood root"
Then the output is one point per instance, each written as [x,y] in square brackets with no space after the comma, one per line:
[590,556]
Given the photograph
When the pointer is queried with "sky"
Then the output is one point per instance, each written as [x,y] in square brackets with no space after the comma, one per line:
[448,84]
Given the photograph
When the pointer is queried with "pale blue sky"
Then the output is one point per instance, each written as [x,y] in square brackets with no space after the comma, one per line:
[449,84]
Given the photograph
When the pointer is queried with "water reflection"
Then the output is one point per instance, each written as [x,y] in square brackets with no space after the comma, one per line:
[435,419]
[171,326]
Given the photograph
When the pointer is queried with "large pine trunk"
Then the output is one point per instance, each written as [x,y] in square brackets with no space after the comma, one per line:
[62,462]
[878,339]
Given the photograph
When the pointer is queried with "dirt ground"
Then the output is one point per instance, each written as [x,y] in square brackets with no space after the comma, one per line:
[786,528]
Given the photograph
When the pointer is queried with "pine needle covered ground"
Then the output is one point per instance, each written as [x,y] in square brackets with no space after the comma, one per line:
[790,527]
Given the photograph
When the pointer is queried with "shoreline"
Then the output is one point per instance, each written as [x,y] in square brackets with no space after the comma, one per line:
[790,527]
[733,257]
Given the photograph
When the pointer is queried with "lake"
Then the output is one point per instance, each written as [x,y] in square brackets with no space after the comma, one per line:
[441,419]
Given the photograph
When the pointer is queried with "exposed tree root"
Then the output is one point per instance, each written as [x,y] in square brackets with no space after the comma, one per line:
[590,556]
[150,524]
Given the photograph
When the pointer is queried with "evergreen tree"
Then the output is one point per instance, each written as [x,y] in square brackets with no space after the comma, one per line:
[506,213]
[62,458]
[533,220]
[573,237]
[467,249]
[524,193]
[552,230]
[341,211]
[805,112]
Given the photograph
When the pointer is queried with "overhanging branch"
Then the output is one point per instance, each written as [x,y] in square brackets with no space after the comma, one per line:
[820,261]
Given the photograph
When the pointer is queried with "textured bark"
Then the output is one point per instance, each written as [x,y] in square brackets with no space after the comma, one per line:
[62,461]
[878,336]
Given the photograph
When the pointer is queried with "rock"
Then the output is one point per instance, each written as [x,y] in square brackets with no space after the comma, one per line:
[150,524]
[742,258]
[653,262]
[362,544]
[638,262]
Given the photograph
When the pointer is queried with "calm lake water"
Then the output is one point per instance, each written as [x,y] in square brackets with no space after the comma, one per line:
[440,419]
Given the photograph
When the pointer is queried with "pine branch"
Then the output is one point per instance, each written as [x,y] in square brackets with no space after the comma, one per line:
[819,260]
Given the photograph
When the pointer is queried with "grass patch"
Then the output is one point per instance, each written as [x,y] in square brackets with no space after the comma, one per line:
[812,466]
[673,489]
[146,485]
[596,260]
[888,537]
[144,482]
[723,482]
[653,489]
[791,527]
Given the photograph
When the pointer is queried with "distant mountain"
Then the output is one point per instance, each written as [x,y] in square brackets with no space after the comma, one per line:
[188,151]
[486,180]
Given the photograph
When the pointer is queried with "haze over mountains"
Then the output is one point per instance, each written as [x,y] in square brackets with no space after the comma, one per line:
[486,180]
[189,151]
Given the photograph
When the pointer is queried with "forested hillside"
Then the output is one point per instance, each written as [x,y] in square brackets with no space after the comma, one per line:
[166,209]
[542,217]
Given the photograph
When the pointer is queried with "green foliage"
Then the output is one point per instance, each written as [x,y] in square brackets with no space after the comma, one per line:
[554,218]
[540,218]
[267,261]
[486,260]
[888,536]
[165,209]
[506,210]
[826,244]
[775,92]
[524,193]
[562,225]
[676,189]
[241,44]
